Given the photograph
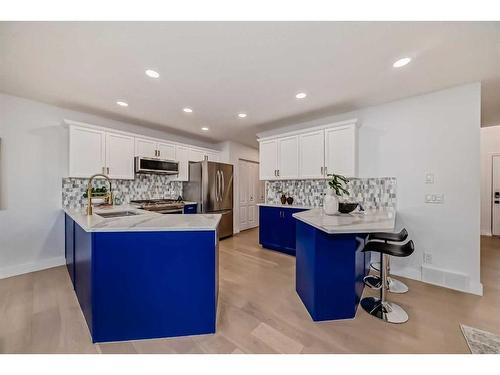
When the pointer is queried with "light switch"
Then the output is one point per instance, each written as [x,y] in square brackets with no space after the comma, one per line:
[429,178]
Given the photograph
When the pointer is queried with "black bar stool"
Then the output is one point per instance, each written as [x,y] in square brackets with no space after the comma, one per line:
[380,307]
[393,285]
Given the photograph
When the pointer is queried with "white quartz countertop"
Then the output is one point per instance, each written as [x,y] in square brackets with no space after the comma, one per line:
[285,205]
[357,222]
[146,221]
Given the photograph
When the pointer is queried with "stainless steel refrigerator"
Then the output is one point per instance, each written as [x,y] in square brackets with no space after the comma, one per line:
[211,186]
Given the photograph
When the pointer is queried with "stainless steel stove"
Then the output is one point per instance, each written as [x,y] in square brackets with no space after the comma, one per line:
[162,206]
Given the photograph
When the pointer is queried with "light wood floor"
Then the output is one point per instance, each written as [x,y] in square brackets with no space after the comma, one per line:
[259,312]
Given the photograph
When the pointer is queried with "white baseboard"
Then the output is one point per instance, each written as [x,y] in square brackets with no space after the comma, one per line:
[39,265]
[440,277]
[486,233]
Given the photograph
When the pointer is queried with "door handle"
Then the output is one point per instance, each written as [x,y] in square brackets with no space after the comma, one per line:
[222,186]
[326,171]
[322,171]
[217,186]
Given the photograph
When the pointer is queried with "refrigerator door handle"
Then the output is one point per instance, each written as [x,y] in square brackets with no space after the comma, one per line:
[222,185]
[217,186]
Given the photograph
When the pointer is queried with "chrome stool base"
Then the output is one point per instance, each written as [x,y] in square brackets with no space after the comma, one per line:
[396,286]
[372,281]
[387,311]
[375,266]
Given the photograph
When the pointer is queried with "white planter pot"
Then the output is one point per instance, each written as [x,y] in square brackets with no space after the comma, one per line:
[331,203]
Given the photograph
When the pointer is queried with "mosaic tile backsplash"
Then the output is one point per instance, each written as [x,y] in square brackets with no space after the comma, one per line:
[145,186]
[370,192]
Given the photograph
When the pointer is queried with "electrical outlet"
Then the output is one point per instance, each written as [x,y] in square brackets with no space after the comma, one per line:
[429,178]
[427,258]
[434,198]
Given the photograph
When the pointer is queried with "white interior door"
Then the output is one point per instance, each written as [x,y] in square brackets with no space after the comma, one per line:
[249,183]
[495,196]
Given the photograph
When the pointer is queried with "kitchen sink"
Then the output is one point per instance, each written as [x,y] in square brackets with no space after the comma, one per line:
[107,215]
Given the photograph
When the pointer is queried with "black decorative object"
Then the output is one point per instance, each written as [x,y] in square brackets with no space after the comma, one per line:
[345,208]
[289,200]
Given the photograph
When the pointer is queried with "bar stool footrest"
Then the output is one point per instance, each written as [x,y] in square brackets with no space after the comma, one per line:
[372,281]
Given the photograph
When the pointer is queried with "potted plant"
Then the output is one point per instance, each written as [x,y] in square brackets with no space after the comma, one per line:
[337,190]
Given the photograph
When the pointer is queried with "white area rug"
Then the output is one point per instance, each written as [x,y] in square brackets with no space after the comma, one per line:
[481,342]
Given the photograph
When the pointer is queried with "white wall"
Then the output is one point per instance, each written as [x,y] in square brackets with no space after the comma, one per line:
[434,133]
[490,144]
[232,152]
[33,160]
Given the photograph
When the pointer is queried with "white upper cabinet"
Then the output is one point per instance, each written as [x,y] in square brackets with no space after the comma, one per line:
[196,155]
[182,154]
[146,147]
[94,149]
[312,154]
[341,150]
[288,157]
[86,151]
[166,151]
[268,159]
[119,156]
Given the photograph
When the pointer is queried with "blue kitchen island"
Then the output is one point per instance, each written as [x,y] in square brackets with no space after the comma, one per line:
[144,275]
[330,263]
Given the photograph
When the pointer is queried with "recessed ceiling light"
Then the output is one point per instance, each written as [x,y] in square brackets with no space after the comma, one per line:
[122,104]
[205,129]
[187,110]
[301,95]
[242,115]
[401,62]
[152,73]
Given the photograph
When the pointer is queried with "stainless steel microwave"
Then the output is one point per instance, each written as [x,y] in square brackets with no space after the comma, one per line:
[157,166]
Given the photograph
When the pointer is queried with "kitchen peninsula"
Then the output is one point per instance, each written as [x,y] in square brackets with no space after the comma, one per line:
[330,262]
[140,274]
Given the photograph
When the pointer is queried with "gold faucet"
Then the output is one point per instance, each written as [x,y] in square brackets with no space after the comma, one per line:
[108,197]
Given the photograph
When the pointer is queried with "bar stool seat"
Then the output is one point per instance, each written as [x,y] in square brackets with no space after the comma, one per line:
[380,307]
[394,285]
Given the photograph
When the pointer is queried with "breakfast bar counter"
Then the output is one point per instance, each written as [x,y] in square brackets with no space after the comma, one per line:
[330,262]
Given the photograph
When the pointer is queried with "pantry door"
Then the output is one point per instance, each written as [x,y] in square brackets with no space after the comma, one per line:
[249,193]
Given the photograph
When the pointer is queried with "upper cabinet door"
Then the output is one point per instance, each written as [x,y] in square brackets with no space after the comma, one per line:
[145,147]
[182,156]
[119,156]
[288,157]
[166,151]
[268,159]
[196,155]
[312,154]
[86,151]
[341,150]
[212,156]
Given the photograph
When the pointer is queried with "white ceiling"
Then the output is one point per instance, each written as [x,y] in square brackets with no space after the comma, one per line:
[222,68]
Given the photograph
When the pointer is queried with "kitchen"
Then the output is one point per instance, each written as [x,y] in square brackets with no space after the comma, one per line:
[254,228]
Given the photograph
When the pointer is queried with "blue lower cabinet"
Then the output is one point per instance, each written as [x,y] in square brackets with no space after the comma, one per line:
[69,250]
[191,208]
[277,228]
[329,272]
[144,285]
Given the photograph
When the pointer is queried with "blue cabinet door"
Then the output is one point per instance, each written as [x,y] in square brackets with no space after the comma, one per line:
[277,228]
[190,208]
[270,227]
[69,248]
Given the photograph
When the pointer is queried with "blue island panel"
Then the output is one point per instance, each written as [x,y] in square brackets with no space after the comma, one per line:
[154,284]
[329,272]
